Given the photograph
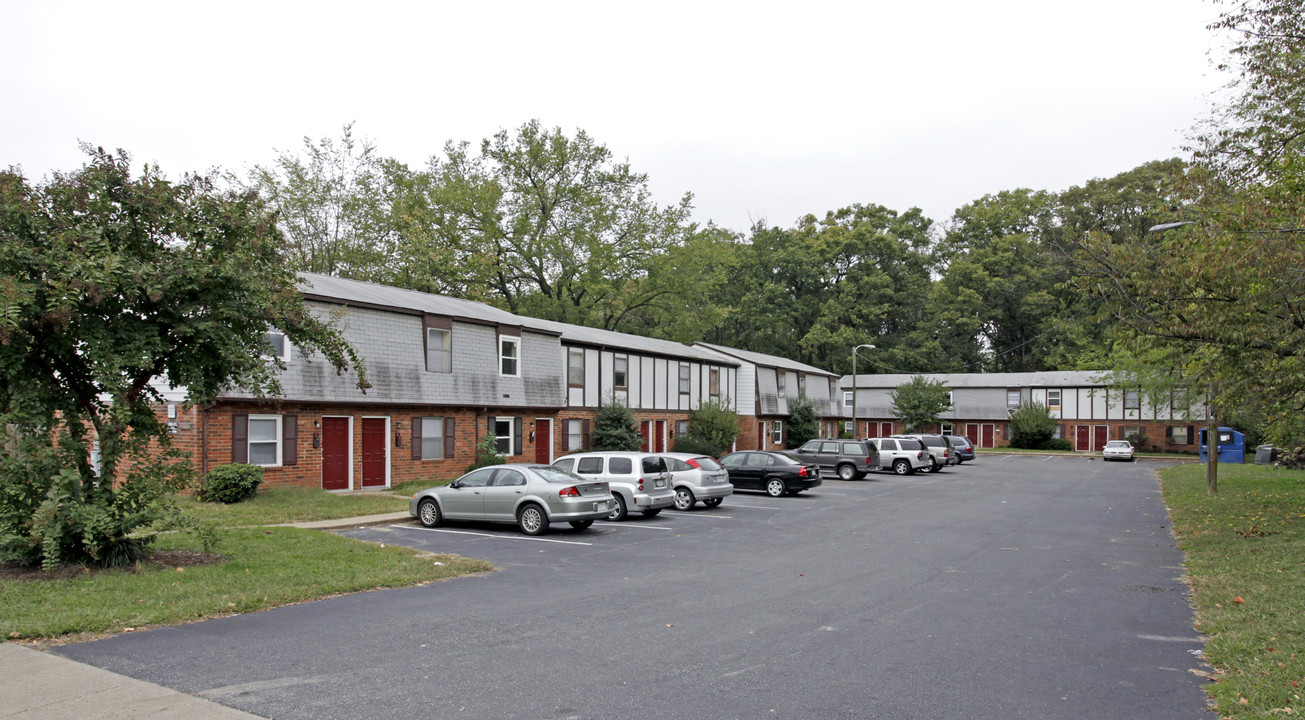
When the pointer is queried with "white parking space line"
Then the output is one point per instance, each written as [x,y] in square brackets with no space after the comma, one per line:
[754,507]
[701,515]
[490,535]
[639,527]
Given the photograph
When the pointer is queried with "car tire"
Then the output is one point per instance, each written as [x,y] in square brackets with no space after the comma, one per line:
[581,524]
[902,466]
[775,487]
[846,472]
[712,502]
[618,509]
[532,519]
[428,512]
[933,464]
[684,498]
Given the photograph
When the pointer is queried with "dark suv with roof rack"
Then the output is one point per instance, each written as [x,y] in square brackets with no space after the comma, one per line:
[847,459]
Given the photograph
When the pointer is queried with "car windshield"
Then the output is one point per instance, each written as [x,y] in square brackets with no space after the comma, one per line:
[1118,444]
[556,475]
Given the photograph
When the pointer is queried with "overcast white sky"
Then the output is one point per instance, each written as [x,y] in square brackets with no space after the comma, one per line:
[761,109]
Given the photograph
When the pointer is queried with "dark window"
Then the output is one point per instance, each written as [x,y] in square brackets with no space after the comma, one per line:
[590,466]
[620,465]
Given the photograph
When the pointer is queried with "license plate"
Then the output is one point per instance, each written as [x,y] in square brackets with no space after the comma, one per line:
[600,506]
[661,483]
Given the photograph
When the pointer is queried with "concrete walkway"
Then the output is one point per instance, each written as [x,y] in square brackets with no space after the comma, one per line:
[43,686]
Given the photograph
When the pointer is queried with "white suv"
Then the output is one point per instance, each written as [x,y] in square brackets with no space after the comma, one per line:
[902,455]
[639,481]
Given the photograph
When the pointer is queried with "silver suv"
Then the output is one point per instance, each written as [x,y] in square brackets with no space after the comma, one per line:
[902,455]
[940,451]
[639,481]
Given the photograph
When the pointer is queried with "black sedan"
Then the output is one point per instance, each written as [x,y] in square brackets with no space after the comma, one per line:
[775,472]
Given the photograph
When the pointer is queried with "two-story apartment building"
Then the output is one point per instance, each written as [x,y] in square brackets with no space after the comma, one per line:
[444,373]
[766,385]
[1089,409]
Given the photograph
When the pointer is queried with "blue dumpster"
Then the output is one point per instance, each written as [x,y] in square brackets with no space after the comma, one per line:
[1232,446]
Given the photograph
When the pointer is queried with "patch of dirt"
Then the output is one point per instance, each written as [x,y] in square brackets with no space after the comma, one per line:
[157,561]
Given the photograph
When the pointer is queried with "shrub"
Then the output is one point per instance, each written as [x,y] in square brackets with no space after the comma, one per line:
[1292,459]
[486,453]
[1031,426]
[614,427]
[803,425]
[696,445]
[1057,444]
[230,484]
[715,424]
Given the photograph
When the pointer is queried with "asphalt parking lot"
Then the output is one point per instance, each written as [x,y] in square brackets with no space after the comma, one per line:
[1011,587]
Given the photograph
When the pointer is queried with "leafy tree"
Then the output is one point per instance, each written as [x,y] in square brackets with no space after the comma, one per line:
[1031,426]
[920,403]
[715,424]
[803,425]
[487,453]
[112,286]
[615,428]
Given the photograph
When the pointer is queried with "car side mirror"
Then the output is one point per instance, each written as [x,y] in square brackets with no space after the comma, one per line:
[455,484]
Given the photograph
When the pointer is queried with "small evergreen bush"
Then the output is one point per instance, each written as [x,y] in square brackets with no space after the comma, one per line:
[615,428]
[1057,444]
[230,484]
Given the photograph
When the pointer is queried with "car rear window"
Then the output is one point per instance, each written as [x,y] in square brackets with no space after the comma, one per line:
[708,464]
[786,459]
[934,441]
[620,465]
[910,444]
[653,465]
[854,449]
[556,475]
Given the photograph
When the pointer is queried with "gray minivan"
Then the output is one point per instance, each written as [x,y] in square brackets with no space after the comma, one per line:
[847,459]
[639,481]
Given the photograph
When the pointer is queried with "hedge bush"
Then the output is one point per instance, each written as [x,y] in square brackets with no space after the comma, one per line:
[694,444]
[230,484]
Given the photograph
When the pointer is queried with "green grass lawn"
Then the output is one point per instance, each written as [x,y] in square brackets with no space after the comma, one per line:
[288,505]
[408,489]
[1245,551]
[260,568]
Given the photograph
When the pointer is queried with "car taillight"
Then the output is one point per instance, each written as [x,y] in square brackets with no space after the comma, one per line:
[641,484]
[802,472]
[569,492]
[693,463]
[919,455]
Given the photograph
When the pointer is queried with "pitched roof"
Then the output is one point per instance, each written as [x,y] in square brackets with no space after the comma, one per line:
[1050,378]
[764,360]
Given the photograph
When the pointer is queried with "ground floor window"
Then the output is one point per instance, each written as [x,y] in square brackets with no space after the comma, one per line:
[681,428]
[574,435]
[265,440]
[1180,434]
[947,429]
[777,432]
[1132,433]
[503,435]
[432,438]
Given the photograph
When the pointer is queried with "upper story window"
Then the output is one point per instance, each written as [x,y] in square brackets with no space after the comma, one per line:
[575,367]
[950,398]
[278,345]
[439,350]
[509,354]
[684,378]
[847,399]
[781,379]
[713,387]
[621,372]
[1053,399]
[802,385]
[1012,399]
[1132,400]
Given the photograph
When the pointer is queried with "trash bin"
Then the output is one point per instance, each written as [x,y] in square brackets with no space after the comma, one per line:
[1263,454]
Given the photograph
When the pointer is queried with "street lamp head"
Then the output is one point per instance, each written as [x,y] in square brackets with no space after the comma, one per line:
[867,346]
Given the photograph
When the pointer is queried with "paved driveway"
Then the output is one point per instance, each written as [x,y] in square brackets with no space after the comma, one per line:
[1011,587]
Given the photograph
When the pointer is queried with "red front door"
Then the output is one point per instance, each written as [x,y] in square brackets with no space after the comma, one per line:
[335,453]
[972,433]
[659,437]
[374,458]
[987,435]
[872,429]
[645,428]
[885,429]
[1082,439]
[543,441]
[1099,435]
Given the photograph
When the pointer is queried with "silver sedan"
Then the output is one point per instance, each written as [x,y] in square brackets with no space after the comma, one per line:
[532,496]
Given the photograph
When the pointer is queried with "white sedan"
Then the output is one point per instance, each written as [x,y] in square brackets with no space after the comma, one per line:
[1118,450]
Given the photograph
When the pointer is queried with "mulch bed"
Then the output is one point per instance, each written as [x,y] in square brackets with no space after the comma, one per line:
[156,561]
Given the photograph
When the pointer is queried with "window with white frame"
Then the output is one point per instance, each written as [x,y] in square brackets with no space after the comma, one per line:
[621,372]
[1012,399]
[777,432]
[781,379]
[947,429]
[265,440]
[713,383]
[575,367]
[681,428]
[950,398]
[847,399]
[1180,434]
[503,435]
[847,428]
[278,346]
[1053,399]
[509,353]
[574,434]
[439,350]
[802,385]
[684,378]
[432,438]
[1132,400]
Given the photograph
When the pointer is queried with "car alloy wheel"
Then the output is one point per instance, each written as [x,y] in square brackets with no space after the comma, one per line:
[775,487]
[683,499]
[901,467]
[846,472]
[532,520]
[428,512]
[618,508]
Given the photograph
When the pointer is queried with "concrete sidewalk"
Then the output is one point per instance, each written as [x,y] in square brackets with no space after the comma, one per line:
[37,685]
[353,522]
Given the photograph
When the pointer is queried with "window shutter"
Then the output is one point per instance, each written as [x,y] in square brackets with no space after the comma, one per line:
[1189,434]
[449,445]
[416,438]
[584,434]
[240,438]
[516,422]
[289,439]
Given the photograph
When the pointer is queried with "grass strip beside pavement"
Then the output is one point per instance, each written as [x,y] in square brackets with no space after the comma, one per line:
[275,506]
[1245,557]
[260,568]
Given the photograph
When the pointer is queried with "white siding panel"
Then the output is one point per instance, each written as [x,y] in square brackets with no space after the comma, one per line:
[1069,403]
[649,392]
[696,385]
[743,389]
[1100,405]
[661,373]
[593,393]
[606,365]
[635,374]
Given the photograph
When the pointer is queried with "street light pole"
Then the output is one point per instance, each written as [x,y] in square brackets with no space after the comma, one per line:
[854,349]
